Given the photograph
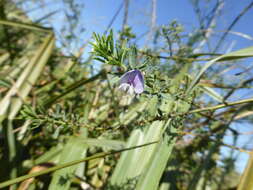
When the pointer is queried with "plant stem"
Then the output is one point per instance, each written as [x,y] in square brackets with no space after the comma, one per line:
[220,106]
[52,169]
[12,152]
[72,87]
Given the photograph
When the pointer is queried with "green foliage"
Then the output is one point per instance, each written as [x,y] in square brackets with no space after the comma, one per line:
[106,51]
[58,115]
[243,53]
[74,149]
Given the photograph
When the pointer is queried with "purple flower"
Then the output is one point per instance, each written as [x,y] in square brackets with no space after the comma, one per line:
[132,82]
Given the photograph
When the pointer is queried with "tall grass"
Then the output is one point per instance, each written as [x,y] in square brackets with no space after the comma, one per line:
[65,127]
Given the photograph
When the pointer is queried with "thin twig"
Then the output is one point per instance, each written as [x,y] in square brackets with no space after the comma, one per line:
[153,20]
[175,57]
[245,10]
[208,29]
[114,17]
[220,106]
[72,87]
[124,24]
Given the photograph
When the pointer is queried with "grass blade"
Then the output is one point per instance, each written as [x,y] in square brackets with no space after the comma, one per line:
[243,53]
[25,26]
[246,181]
[152,174]
[213,94]
[52,169]
[75,149]
[132,163]
[28,77]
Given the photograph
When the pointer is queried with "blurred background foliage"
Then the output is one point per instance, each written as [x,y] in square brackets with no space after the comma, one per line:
[60,104]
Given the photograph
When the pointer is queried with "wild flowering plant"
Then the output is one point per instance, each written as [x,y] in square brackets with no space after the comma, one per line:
[132,82]
[87,117]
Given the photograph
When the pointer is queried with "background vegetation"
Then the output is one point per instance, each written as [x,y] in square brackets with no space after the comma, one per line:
[65,124]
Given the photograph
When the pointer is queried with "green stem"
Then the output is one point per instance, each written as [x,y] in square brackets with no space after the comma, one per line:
[52,169]
[72,87]
[246,181]
[12,152]
[220,106]
[26,26]
[178,58]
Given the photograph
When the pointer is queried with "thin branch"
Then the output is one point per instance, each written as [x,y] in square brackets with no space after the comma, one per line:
[223,144]
[177,57]
[153,20]
[245,10]
[125,14]
[72,87]
[212,22]
[239,86]
[114,17]
[220,106]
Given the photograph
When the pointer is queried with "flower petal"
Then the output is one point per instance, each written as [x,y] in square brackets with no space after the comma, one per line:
[131,90]
[124,86]
[138,82]
[132,81]
[128,77]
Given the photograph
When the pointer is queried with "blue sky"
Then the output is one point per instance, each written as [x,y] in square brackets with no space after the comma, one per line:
[96,15]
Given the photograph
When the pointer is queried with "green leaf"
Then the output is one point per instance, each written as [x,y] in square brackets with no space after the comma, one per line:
[132,163]
[50,155]
[75,149]
[104,143]
[27,78]
[133,57]
[212,93]
[152,174]
[246,181]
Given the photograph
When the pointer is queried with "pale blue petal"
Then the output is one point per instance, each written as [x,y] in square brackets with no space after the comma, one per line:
[133,78]
[128,77]
[138,83]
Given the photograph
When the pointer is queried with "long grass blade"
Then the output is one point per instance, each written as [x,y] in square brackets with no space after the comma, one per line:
[246,181]
[243,53]
[75,149]
[52,169]
[25,26]
[28,77]
[152,174]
